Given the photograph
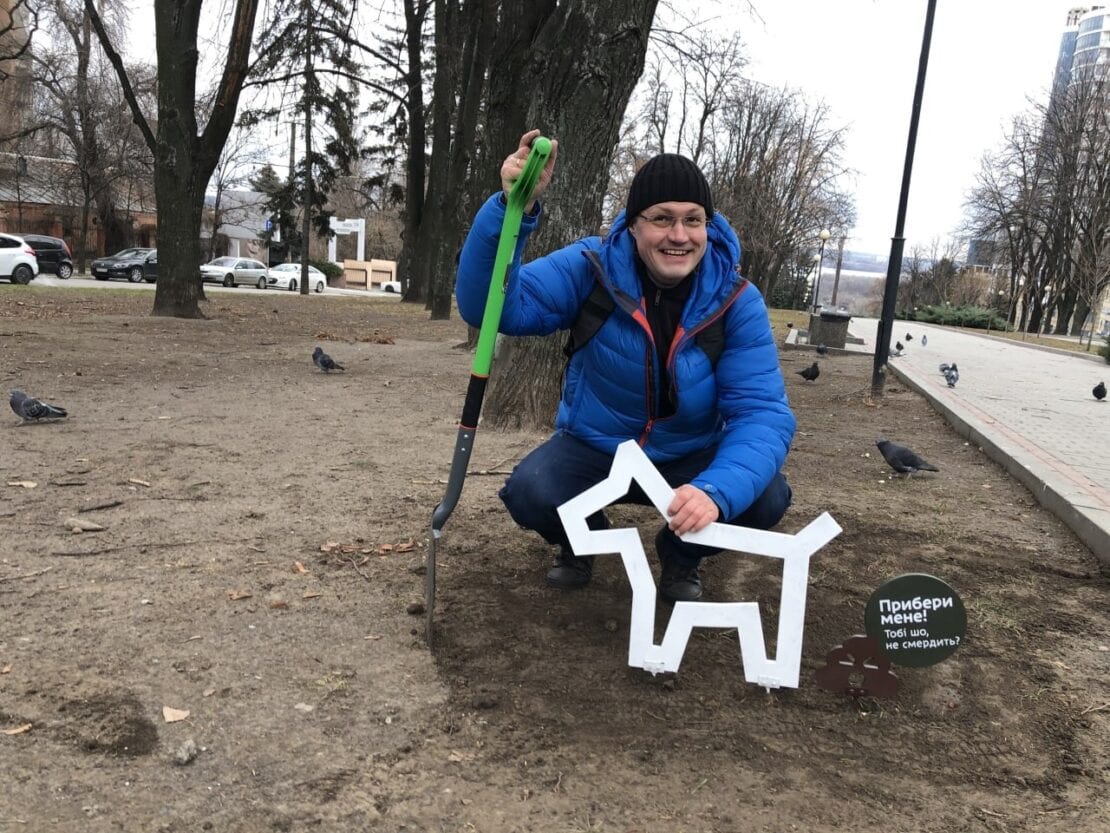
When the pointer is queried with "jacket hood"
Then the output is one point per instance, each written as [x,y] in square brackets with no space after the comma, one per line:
[717,273]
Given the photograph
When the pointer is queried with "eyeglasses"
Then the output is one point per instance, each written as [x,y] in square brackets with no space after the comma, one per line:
[666,221]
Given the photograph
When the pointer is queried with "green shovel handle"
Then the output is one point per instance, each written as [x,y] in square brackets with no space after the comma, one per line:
[519,196]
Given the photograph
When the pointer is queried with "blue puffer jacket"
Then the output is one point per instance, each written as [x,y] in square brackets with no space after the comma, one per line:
[611,390]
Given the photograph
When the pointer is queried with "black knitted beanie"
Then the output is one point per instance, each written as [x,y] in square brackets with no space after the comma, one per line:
[668,177]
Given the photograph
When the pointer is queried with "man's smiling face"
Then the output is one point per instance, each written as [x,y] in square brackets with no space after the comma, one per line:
[670,239]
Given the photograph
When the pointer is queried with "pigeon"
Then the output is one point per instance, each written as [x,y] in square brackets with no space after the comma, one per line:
[790,325]
[325,362]
[822,350]
[810,373]
[32,410]
[924,339]
[909,337]
[951,376]
[899,346]
[902,459]
[944,368]
[1099,391]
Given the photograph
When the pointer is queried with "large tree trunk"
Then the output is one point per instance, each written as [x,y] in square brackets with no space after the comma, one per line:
[178,243]
[1079,317]
[415,12]
[1064,309]
[184,158]
[460,75]
[580,100]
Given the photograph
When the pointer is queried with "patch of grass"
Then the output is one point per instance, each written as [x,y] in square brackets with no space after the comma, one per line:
[992,612]
[781,317]
[331,683]
[1059,342]
[80,293]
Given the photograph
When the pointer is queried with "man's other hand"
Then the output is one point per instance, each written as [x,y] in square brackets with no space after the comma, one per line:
[691,510]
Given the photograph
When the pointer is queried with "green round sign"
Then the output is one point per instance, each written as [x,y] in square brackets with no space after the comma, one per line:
[917,619]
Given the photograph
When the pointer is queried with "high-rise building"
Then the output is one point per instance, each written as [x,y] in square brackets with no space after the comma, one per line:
[1084,45]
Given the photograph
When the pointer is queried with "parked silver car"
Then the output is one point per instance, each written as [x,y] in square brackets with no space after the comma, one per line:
[232,271]
[288,276]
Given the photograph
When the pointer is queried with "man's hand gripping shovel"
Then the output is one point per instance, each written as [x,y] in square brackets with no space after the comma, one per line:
[519,196]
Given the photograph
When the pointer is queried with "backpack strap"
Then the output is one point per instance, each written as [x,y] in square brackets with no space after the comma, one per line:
[599,305]
[593,314]
[711,340]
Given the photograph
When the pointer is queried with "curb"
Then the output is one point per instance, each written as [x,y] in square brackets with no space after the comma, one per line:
[1059,351]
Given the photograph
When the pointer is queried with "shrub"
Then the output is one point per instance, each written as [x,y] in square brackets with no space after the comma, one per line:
[332,271]
[1104,350]
[963,316]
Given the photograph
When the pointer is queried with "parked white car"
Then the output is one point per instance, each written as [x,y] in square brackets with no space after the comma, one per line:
[232,271]
[17,259]
[288,276]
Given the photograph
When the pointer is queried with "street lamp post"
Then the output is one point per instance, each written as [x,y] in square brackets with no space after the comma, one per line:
[898,241]
[824,235]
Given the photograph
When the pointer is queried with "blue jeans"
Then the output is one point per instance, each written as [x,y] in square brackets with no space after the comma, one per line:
[563,467]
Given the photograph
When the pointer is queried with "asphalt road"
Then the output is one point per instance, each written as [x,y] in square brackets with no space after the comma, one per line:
[78,282]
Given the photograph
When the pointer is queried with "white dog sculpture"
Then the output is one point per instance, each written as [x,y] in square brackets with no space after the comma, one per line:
[630,463]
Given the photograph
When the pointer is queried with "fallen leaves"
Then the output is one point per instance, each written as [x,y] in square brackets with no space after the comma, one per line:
[23,484]
[237,595]
[171,715]
[7,669]
[18,730]
[138,482]
[298,567]
[311,595]
[404,546]
[381,549]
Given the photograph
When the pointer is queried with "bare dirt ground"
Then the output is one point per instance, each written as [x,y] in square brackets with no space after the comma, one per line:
[267,537]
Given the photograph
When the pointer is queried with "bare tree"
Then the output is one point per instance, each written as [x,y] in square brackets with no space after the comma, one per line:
[1046,194]
[240,158]
[18,22]
[771,157]
[185,152]
[79,113]
[690,77]
[775,175]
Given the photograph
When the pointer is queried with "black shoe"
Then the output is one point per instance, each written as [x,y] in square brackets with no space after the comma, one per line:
[679,582]
[570,571]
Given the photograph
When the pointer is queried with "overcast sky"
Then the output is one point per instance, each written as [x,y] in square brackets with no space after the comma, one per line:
[861,56]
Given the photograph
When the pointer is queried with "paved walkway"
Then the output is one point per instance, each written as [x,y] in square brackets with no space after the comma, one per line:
[1029,407]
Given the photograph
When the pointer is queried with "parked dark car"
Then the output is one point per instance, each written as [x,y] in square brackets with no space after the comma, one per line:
[53,254]
[150,266]
[136,265]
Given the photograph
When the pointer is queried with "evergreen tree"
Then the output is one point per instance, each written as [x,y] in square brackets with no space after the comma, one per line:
[309,60]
